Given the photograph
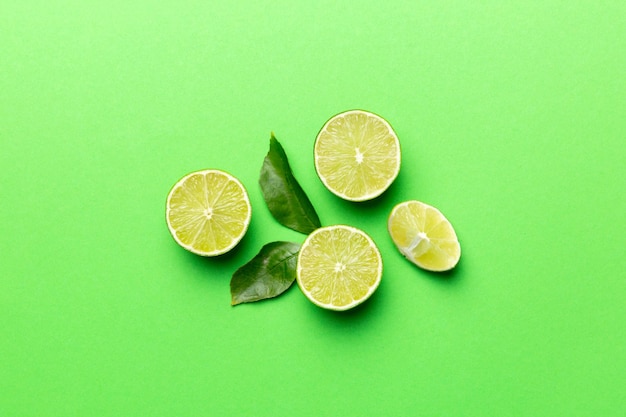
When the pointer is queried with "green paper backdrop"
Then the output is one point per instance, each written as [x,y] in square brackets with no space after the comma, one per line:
[512,121]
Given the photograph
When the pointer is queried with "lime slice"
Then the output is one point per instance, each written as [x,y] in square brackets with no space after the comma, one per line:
[357,155]
[424,236]
[208,212]
[339,267]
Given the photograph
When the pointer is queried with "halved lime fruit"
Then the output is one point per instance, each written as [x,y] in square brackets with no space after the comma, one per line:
[424,236]
[339,267]
[357,155]
[208,212]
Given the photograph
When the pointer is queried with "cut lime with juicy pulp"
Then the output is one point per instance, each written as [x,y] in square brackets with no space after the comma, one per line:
[339,267]
[357,155]
[424,236]
[208,212]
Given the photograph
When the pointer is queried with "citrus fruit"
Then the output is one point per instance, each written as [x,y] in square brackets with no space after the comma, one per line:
[357,155]
[424,236]
[339,267]
[208,212]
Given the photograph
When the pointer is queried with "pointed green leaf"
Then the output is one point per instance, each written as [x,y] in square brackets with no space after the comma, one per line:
[270,273]
[283,195]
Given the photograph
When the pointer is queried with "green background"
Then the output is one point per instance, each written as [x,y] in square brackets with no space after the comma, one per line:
[512,121]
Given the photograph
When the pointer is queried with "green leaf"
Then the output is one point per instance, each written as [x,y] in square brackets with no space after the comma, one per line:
[283,195]
[270,273]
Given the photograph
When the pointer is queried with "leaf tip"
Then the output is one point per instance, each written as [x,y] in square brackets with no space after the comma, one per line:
[273,141]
